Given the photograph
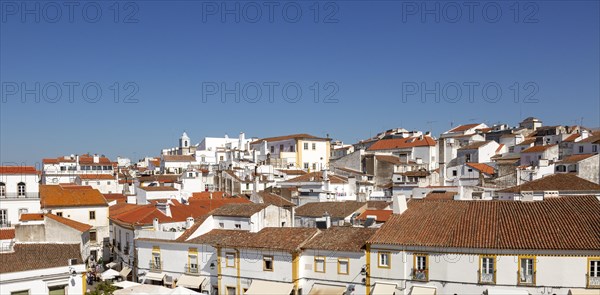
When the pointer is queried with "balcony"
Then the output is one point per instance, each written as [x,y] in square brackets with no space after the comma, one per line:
[486,278]
[593,281]
[155,266]
[420,274]
[25,196]
[192,269]
[126,250]
[5,223]
[527,279]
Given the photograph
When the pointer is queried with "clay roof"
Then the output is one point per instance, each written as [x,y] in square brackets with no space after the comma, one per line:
[179,158]
[7,234]
[487,169]
[539,225]
[273,238]
[120,198]
[239,210]
[162,178]
[436,195]
[475,145]
[208,195]
[274,199]
[18,170]
[292,171]
[537,148]
[399,143]
[465,127]
[555,182]
[70,196]
[591,139]
[291,136]
[336,210]
[95,176]
[337,238]
[379,205]
[389,159]
[31,216]
[157,188]
[382,215]
[317,177]
[38,256]
[576,158]
[82,227]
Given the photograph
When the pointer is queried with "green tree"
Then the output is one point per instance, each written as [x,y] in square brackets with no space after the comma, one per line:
[103,288]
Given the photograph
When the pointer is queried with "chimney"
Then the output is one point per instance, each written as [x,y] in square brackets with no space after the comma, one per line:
[399,204]
[242,139]
[96,158]
[155,224]
[165,208]
[327,218]
[255,186]
[189,222]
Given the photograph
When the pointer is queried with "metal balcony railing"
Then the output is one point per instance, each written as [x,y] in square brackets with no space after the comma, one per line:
[486,277]
[155,265]
[593,281]
[5,223]
[26,195]
[527,279]
[420,274]
[191,269]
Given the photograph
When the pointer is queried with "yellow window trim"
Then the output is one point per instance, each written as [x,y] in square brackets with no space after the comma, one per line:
[415,255]
[265,262]
[227,260]
[481,257]
[155,249]
[589,263]
[534,259]
[340,260]
[389,260]
[324,264]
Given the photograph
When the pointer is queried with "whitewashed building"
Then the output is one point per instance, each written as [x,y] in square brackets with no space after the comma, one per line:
[19,193]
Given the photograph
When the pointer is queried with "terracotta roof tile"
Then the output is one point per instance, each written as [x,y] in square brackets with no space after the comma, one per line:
[537,148]
[389,159]
[82,227]
[52,196]
[576,158]
[95,176]
[18,170]
[465,127]
[475,145]
[179,158]
[274,199]
[120,198]
[31,217]
[487,169]
[539,225]
[273,238]
[378,205]
[239,210]
[208,195]
[7,234]
[337,238]
[381,215]
[162,178]
[317,177]
[157,188]
[46,256]
[555,182]
[400,143]
[334,209]
[437,195]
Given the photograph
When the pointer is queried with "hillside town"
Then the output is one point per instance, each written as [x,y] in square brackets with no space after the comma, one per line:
[509,208]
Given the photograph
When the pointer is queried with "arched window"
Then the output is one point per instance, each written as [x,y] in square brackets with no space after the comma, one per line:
[561,168]
[573,168]
[2,189]
[21,189]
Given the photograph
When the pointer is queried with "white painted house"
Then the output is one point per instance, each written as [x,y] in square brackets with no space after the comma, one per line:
[19,193]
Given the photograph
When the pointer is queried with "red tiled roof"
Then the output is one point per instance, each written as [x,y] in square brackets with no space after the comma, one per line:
[239,210]
[555,182]
[482,168]
[179,158]
[337,210]
[465,127]
[571,137]
[292,171]
[338,238]
[317,177]
[208,195]
[18,170]
[7,234]
[434,195]
[120,198]
[38,256]
[499,148]
[563,223]
[537,148]
[286,137]
[274,238]
[96,176]
[475,145]
[157,188]
[82,227]
[576,158]
[275,200]
[400,143]
[70,196]
[31,216]
[389,159]
[381,215]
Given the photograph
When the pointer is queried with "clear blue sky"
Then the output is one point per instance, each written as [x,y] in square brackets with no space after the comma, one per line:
[374,51]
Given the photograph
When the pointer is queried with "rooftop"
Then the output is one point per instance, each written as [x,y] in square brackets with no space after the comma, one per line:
[52,196]
[337,238]
[337,210]
[46,256]
[555,182]
[399,143]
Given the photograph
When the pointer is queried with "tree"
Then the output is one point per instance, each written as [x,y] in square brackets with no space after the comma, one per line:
[103,288]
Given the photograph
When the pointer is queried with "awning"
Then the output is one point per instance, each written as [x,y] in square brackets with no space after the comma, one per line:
[109,274]
[155,276]
[584,291]
[263,287]
[500,291]
[319,289]
[125,272]
[194,282]
[125,284]
[418,290]
[111,264]
[383,289]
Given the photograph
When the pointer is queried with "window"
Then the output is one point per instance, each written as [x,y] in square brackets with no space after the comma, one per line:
[454,172]
[57,290]
[594,274]
[594,149]
[92,236]
[193,263]
[238,226]
[292,148]
[220,158]
[22,211]
[306,165]
[526,270]
[314,166]
[319,264]
[230,259]
[468,158]
[580,149]
[108,182]
[21,189]
[23,292]
[92,215]
[487,272]
[155,263]
[314,146]
[272,149]
[383,259]
[421,267]
[281,148]
[59,214]
[343,266]
[268,263]
[231,291]
[2,189]
[221,225]
[306,146]
[3,216]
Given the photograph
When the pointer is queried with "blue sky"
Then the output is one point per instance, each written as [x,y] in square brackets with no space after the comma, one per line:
[176,59]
